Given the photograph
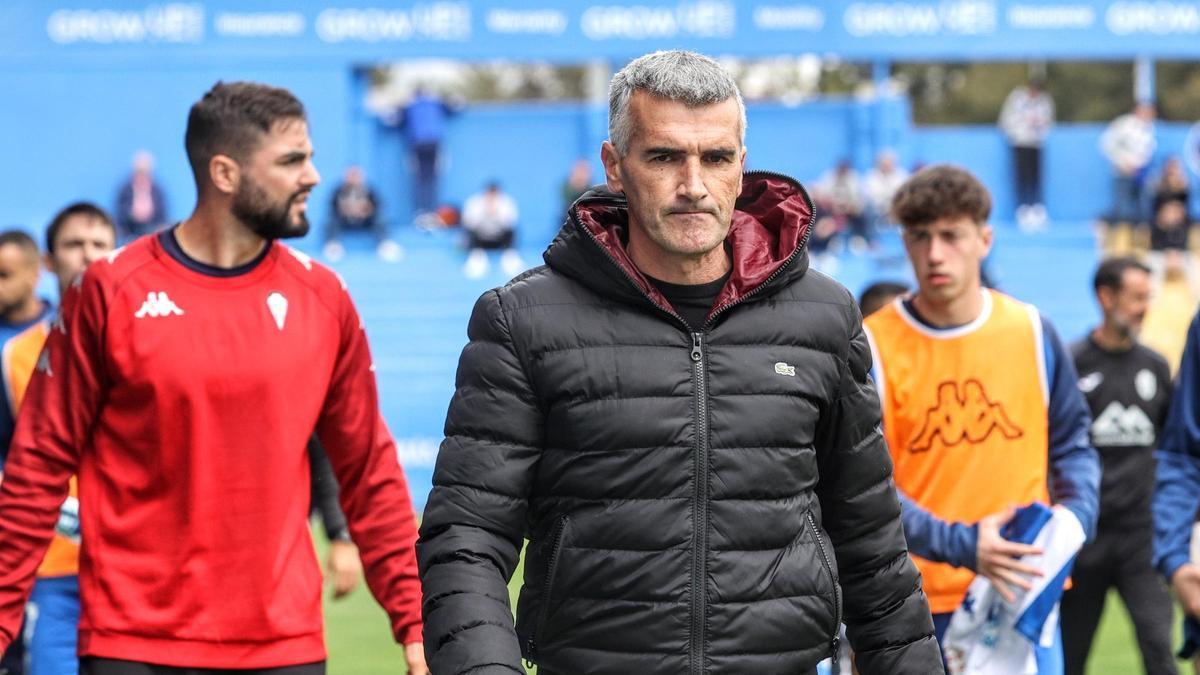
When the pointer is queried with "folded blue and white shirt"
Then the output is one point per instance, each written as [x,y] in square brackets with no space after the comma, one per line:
[990,636]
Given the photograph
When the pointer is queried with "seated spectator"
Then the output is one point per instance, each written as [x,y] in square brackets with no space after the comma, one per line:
[490,220]
[880,185]
[141,206]
[1171,224]
[840,196]
[356,208]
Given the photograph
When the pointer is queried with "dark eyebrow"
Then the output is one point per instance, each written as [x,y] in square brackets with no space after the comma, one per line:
[721,152]
[293,156]
[662,151]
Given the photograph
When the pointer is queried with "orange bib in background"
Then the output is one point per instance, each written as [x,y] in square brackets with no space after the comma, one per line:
[965,417]
[20,357]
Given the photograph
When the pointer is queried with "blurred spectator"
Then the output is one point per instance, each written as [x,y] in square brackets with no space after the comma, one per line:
[880,185]
[577,183]
[356,208]
[490,220]
[839,194]
[1026,119]
[423,123]
[1171,224]
[1129,144]
[141,207]
[880,294]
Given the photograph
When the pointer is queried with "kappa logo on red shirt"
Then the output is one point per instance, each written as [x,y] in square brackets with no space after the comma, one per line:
[158,304]
[963,414]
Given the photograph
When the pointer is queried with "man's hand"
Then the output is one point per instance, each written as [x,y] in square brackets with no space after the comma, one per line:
[343,568]
[414,656]
[1186,582]
[998,559]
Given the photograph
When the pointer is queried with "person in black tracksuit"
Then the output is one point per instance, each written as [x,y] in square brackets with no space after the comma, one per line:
[678,415]
[1128,388]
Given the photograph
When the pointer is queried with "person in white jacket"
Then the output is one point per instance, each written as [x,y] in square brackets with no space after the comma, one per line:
[1026,119]
[1129,144]
[490,220]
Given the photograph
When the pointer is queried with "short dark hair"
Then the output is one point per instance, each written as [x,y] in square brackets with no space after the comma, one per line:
[1110,273]
[231,118]
[86,209]
[877,294]
[22,240]
[941,191]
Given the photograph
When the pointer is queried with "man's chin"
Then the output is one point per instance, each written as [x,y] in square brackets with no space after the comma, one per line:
[293,230]
[296,231]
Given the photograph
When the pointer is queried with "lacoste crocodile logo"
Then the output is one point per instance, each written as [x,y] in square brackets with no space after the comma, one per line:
[963,414]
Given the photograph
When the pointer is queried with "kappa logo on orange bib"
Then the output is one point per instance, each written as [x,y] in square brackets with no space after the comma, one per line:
[963,414]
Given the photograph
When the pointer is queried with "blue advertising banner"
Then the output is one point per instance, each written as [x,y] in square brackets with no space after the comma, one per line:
[124,31]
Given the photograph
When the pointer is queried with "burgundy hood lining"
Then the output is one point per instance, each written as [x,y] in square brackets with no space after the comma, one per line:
[769,223]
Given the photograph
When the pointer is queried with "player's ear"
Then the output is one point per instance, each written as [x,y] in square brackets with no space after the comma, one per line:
[224,173]
[985,232]
[612,167]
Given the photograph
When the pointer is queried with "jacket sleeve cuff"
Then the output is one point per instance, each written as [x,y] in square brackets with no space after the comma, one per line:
[408,634]
[1170,563]
[962,545]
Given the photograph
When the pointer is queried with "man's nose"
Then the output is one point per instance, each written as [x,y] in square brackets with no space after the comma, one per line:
[311,176]
[691,181]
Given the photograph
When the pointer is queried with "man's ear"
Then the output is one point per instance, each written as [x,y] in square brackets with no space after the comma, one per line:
[224,173]
[612,167]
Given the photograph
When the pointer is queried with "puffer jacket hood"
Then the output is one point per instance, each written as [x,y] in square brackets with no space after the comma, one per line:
[697,500]
[767,236]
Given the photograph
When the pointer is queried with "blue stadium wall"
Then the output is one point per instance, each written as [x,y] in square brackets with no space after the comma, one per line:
[69,135]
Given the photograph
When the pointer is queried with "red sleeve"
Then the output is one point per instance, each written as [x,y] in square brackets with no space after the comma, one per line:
[54,424]
[374,494]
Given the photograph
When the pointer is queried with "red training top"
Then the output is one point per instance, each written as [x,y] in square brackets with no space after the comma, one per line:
[183,395]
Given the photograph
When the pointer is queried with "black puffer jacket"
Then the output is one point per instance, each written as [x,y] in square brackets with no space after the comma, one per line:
[692,496]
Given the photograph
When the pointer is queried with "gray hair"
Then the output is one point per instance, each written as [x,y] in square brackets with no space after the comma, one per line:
[690,78]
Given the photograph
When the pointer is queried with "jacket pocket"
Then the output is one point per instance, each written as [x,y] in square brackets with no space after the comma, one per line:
[827,563]
[558,534]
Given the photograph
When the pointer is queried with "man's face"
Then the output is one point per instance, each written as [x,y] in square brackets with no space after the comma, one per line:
[81,241]
[276,179]
[18,278]
[946,255]
[681,174]
[1125,308]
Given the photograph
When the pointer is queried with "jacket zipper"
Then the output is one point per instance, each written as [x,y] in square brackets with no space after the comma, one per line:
[837,592]
[699,506]
[547,585]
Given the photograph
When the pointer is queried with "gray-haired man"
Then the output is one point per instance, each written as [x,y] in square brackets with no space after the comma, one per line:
[678,416]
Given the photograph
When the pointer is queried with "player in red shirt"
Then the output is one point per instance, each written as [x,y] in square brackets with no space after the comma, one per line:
[181,382]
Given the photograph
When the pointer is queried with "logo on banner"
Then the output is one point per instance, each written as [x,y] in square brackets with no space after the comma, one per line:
[1051,17]
[527,21]
[789,17]
[437,21]
[899,19]
[1156,18]
[695,18]
[170,22]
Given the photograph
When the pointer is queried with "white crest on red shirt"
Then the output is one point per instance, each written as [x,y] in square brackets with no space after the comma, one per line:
[278,305]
